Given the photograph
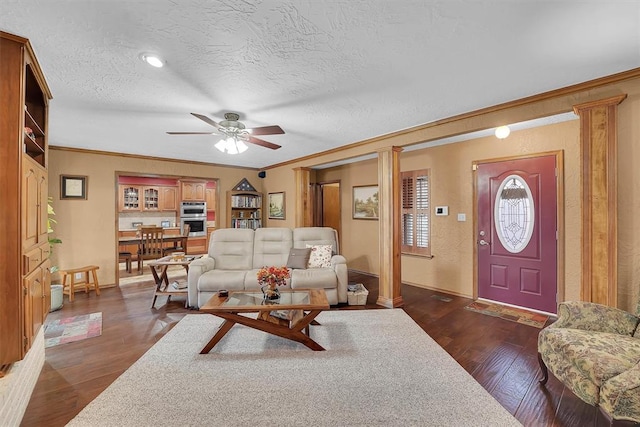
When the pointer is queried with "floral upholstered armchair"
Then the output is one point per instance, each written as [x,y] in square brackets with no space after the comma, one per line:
[595,351]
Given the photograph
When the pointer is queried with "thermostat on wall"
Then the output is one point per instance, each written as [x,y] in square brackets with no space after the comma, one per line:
[442,210]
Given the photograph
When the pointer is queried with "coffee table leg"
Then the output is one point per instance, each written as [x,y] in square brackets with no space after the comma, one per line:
[224,328]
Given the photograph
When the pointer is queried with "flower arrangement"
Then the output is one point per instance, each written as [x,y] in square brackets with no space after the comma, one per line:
[273,276]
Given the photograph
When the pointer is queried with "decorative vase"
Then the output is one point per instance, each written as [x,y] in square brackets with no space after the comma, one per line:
[270,292]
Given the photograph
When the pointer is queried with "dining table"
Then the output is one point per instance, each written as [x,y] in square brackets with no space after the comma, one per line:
[135,240]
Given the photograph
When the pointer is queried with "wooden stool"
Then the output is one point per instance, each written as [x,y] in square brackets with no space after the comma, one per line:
[69,288]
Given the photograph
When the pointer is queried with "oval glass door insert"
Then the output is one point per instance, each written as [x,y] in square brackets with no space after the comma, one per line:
[514,214]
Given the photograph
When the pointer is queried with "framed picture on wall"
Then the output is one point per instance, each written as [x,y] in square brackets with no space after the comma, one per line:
[365,202]
[276,205]
[73,187]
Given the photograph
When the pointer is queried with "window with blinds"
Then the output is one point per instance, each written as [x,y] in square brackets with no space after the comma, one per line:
[416,219]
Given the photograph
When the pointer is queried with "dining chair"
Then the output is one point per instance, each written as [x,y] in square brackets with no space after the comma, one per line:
[180,246]
[150,245]
[124,256]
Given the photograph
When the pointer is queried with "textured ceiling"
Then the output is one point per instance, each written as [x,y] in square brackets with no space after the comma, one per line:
[330,73]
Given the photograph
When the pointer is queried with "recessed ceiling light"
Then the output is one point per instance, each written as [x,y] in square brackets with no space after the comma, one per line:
[152,59]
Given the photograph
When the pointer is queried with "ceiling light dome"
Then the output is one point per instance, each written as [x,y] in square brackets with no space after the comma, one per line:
[502,132]
[152,59]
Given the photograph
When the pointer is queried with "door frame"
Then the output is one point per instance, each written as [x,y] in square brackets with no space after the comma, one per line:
[318,204]
[560,258]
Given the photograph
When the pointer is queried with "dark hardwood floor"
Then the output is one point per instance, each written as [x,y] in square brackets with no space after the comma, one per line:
[501,355]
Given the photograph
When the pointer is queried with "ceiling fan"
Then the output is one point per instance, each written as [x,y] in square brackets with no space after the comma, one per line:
[236,133]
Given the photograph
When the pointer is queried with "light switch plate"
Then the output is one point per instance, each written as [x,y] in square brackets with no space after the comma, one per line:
[462,217]
[442,210]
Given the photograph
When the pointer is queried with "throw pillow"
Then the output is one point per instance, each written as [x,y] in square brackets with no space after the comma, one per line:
[298,258]
[320,256]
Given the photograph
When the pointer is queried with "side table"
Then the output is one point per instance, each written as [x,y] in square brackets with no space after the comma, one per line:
[159,270]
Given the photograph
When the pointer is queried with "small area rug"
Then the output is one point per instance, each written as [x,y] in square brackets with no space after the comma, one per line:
[71,329]
[513,314]
[379,369]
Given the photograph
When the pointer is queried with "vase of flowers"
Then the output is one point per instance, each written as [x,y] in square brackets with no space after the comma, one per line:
[270,278]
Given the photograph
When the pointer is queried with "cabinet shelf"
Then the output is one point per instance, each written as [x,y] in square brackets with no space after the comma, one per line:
[29,121]
[32,147]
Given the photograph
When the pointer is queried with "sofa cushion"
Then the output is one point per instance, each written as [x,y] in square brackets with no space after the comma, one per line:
[232,248]
[303,236]
[214,280]
[298,257]
[596,357]
[320,256]
[315,278]
[271,247]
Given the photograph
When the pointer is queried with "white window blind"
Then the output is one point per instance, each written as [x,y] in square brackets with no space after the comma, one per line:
[416,219]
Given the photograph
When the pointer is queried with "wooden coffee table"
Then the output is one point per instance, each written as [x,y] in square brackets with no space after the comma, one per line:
[159,270]
[287,318]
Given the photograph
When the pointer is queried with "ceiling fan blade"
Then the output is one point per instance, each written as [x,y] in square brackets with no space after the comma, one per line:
[262,142]
[206,120]
[191,133]
[266,130]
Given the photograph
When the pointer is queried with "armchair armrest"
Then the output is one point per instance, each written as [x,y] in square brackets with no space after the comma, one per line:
[590,316]
[196,269]
[339,265]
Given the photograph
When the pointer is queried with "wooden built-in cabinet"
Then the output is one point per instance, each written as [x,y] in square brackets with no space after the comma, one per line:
[25,268]
[193,191]
[144,198]
[168,198]
[210,199]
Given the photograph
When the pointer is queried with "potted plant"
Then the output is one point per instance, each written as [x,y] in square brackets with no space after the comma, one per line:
[50,222]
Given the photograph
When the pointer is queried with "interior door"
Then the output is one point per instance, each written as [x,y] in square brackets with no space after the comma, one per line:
[517,232]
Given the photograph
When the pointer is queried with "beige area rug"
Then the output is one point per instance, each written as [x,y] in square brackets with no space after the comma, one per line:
[380,369]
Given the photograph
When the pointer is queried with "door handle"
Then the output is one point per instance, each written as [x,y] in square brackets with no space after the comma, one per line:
[483,242]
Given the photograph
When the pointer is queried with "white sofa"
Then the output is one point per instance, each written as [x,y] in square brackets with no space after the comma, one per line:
[236,255]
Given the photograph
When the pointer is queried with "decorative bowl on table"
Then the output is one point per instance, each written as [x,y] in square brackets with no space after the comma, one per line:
[177,256]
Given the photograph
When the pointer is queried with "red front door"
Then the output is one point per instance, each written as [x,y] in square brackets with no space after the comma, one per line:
[516,235]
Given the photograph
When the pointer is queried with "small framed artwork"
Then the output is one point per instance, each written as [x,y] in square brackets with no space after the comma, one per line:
[73,187]
[365,202]
[165,224]
[276,205]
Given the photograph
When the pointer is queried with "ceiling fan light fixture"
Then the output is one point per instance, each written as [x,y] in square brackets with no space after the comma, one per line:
[231,145]
[242,147]
[152,59]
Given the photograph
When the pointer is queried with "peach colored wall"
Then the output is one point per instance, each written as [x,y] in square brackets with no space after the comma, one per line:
[451,268]
[88,227]
[276,181]
[628,182]
[359,241]
[629,199]
[452,182]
